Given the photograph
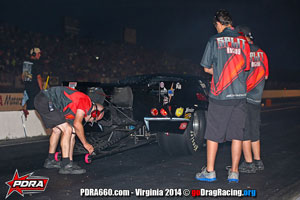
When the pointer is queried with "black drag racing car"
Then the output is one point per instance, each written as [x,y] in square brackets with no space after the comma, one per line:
[167,108]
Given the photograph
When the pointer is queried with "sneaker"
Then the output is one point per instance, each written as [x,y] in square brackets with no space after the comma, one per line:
[233,177]
[70,169]
[52,164]
[259,165]
[75,165]
[205,175]
[248,168]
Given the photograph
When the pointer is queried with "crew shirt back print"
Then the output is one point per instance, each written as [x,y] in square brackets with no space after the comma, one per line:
[228,53]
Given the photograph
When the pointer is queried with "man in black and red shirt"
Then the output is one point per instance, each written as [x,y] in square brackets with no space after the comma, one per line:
[226,58]
[62,109]
[32,78]
[257,75]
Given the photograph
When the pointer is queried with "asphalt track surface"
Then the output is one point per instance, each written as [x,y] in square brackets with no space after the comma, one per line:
[147,167]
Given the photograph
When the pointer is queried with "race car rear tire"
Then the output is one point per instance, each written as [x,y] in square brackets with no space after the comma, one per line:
[189,142]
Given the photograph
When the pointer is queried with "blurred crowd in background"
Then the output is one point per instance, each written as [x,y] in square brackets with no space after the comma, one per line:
[70,58]
[82,59]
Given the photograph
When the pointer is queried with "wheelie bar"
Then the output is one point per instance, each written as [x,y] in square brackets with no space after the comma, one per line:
[97,154]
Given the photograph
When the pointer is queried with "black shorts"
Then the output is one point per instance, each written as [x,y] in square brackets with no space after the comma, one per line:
[252,124]
[225,122]
[50,119]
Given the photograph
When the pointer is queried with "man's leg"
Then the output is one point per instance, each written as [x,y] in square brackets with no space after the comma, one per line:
[54,138]
[256,152]
[247,151]
[208,173]
[67,165]
[256,149]
[212,148]
[256,138]
[248,165]
[214,134]
[65,139]
[72,144]
[50,162]
[235,134]
[236,151]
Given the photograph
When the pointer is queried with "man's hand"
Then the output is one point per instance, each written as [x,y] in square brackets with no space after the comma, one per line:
[80,131]
[89,148]
[209,70]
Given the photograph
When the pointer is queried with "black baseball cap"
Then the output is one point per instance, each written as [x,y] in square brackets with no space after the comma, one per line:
[245,30]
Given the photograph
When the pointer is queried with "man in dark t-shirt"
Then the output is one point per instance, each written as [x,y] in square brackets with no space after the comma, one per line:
[226,58]
[32,77]
[257,75]
[63,109]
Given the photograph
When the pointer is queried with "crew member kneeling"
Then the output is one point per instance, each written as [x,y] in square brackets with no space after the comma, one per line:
[62,109]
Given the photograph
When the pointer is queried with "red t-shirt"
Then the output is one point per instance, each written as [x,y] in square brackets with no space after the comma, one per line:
[256,78]
[69,100]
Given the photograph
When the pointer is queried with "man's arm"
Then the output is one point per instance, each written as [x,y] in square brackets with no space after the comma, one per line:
[209,70]
[80,131]
[247,53]
[207,58]
[266,64]
[40,82]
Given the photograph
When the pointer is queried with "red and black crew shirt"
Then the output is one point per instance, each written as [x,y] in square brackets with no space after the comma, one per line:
[228,53]
[256,76]
[68,101]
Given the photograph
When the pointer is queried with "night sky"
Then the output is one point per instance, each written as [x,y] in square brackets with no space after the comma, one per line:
[181,27]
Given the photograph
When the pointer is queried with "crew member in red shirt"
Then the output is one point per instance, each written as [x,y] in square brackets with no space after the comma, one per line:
[259,72]
[62,109]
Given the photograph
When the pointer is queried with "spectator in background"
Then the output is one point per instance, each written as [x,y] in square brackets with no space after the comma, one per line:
[113,61]
[259,72]
[32,79]
[226,56]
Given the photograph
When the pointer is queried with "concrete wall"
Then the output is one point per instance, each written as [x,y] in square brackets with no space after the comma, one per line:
[12,126]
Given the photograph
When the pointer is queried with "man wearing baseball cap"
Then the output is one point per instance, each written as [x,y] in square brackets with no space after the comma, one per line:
[259,72]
